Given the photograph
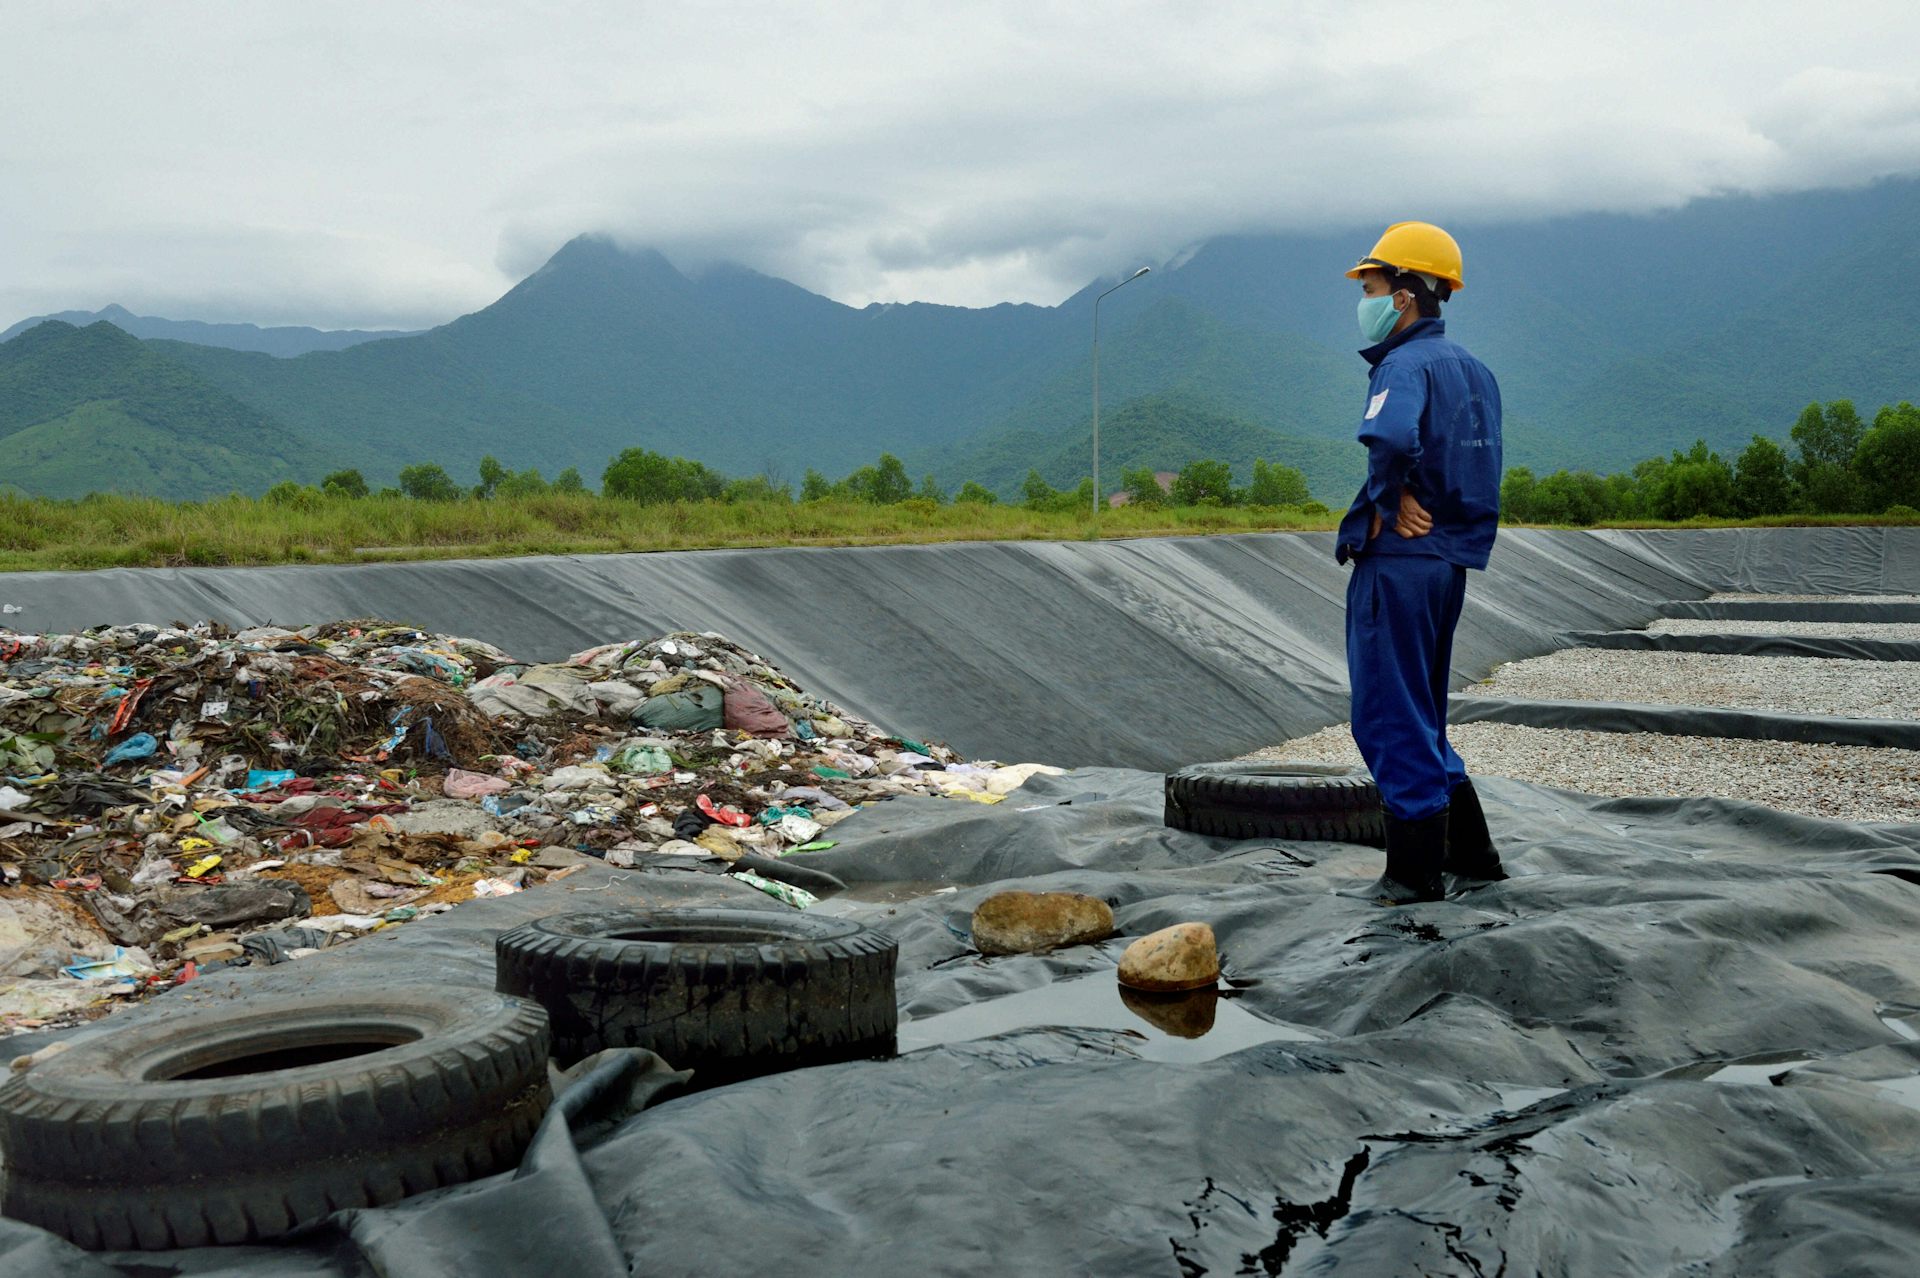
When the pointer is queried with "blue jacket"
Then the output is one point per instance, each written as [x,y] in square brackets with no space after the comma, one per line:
[1432,424]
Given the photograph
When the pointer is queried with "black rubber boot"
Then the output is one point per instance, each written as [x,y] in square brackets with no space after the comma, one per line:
[1471,859]
[1415,852]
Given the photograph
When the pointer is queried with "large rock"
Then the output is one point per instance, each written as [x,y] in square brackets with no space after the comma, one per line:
[1029,922]
[1181,957]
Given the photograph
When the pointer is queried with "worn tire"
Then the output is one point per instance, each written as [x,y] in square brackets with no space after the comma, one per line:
[726,993]
[1297,801]
[113,1144]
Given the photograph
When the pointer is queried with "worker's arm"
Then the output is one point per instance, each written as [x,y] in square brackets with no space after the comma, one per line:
[1391,432]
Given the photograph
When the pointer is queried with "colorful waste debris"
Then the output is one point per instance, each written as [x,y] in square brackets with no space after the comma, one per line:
[798,898]
[201,797]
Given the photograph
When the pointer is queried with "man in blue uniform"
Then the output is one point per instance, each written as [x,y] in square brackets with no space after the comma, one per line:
[1427,513]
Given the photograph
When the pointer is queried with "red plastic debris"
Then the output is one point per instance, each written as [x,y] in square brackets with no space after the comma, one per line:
[123,716]
[724,815]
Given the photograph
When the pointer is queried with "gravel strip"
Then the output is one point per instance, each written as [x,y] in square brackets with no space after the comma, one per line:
[1786,685]
[1848,783]
[1896,630]
[1739,598]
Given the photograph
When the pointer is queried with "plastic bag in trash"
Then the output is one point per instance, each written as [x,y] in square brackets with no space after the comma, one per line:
[141,745]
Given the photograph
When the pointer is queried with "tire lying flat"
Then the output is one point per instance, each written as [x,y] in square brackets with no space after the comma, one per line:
[1295,801]
[240,1123]
[726,993]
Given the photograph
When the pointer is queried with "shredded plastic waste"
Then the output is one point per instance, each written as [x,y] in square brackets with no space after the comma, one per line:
[188,790]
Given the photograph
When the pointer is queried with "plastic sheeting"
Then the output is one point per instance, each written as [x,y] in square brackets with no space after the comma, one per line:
[1864,612]
[1146,653]
[1835,647]
[1682,1039]
[1687,721]
[1525,1080]
[1792,561]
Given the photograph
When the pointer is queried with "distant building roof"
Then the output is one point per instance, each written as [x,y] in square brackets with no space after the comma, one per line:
[1164,478]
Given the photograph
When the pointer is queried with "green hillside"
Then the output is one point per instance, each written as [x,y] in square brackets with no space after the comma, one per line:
[383,405]
[92,409]
[1157,432]
[604,349]
[67,455]
[1614,338]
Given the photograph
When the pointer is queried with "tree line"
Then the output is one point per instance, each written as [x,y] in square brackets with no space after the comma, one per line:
[1839,466]
[650,478]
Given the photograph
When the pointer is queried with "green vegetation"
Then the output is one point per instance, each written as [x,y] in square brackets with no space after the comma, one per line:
[117,531]
[1152,433]
[646,477]
[1843,468]
[656,502]
[79,407]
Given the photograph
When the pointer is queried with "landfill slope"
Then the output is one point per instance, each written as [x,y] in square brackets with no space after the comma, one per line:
[1144,653]
[1684,1038]
[1521,1081]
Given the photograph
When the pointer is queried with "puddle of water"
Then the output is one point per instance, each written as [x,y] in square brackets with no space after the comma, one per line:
[1514,1098]
[1177,1028]
[1906,1091]
[1900,1027]
[1756,1075]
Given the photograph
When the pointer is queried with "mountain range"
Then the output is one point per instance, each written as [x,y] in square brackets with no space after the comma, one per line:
[284,342]
[1614,337]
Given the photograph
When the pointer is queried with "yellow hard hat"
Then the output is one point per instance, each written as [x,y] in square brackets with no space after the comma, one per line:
[1414,246]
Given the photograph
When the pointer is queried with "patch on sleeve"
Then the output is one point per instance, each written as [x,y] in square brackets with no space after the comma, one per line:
[1375,404]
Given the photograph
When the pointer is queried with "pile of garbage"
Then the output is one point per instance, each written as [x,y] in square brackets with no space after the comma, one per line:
[178,799]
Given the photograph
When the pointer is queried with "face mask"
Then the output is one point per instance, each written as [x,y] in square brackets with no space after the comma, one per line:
[1377,317]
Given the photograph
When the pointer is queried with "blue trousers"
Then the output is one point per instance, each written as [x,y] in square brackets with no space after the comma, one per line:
[1401,611]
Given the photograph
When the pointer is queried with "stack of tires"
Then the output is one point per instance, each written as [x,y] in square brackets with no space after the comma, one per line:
[243,1122]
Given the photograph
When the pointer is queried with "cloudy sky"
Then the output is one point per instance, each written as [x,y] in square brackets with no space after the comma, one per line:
[368,163]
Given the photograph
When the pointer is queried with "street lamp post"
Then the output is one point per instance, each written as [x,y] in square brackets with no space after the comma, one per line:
[1096,383]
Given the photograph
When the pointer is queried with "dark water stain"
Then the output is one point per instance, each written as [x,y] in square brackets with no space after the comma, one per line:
[1295,1220]
[1195,1027]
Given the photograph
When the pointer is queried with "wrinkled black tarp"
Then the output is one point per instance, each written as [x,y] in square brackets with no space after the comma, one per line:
[1511,1082]
[1784,561]
[1514,1082]
[1832,647]
[1146,653]
[1686,721]
[1862,612]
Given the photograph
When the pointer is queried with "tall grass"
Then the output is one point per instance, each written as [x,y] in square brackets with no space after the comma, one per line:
[107,531]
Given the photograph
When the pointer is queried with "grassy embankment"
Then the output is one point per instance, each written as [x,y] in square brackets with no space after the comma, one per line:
[113,531]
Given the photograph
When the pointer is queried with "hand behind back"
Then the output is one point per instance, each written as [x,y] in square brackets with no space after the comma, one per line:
[1412,521]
